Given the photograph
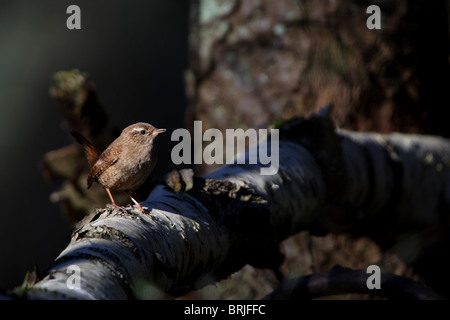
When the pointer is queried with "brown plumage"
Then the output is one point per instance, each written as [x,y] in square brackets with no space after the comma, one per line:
[126,163]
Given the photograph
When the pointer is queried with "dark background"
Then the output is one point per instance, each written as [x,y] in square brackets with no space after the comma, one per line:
[134,51]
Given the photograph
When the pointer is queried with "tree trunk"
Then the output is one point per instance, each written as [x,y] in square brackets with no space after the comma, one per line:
[252,62]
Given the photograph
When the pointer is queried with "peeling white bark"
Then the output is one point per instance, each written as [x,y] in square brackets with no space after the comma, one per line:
[410,171]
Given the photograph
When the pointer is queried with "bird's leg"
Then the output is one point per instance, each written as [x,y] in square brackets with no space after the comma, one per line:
[136,203]
[111,197]
[114,204]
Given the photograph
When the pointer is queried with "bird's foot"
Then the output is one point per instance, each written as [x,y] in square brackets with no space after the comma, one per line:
[137,204]
[143,210]
[115,206]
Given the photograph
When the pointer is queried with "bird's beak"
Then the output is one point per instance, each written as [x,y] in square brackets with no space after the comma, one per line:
[158,131]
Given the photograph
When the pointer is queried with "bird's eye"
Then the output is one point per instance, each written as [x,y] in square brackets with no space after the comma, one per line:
[142,132]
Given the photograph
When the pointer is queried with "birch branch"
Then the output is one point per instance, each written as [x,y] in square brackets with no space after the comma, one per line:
[340,280]
[328,180]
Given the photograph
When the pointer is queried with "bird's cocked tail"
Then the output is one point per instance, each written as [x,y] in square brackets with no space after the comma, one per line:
[91,152]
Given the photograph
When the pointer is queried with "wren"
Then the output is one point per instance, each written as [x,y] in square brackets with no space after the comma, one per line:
[126,163]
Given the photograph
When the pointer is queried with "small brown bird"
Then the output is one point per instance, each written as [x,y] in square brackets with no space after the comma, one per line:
[126,163]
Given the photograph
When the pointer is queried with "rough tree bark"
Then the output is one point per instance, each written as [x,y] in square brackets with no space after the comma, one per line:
[255,61]
[328,180]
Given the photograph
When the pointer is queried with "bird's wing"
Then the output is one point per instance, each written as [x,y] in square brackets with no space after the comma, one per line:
[108,158]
